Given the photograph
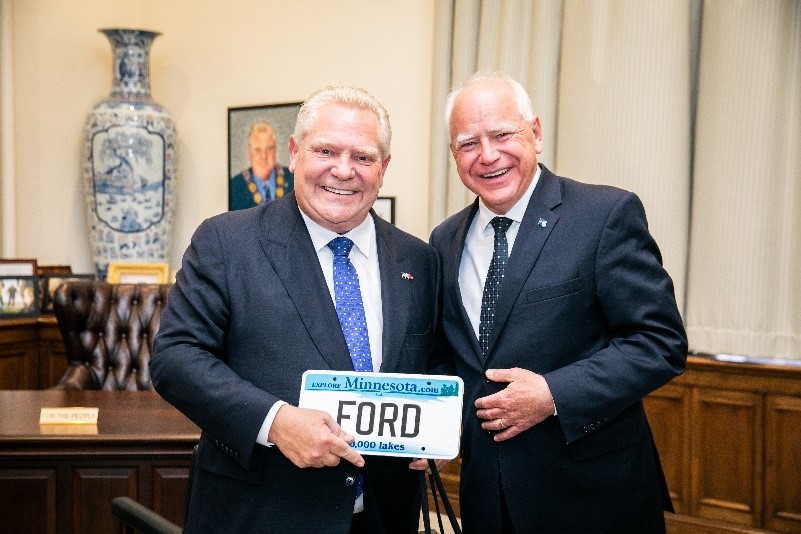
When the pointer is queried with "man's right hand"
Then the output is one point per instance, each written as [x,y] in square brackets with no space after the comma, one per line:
[311,438]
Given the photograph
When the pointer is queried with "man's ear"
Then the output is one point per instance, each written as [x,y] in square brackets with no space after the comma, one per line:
[536,129]
[293,152]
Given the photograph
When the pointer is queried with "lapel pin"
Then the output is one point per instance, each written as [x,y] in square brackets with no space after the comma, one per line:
[407,276]
[543,223]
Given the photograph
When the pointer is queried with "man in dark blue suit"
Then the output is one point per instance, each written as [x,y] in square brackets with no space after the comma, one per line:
[561,318]
[252,310]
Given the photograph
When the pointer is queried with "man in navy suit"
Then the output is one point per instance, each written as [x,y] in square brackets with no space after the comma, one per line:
[253,307]
[577,321]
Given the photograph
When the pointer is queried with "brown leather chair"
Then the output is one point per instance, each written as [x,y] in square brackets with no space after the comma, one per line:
[108,332]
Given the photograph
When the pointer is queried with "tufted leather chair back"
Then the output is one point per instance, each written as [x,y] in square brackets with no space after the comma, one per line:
[108,332]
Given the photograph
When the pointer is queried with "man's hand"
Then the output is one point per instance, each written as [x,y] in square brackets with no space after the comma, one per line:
[421,464]
[525,402]
[311,438]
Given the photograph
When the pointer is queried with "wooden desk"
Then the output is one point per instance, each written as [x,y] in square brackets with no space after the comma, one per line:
[32,354]
[53,482]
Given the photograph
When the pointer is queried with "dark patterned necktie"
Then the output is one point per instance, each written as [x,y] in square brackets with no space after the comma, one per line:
[492,287]
[350,310]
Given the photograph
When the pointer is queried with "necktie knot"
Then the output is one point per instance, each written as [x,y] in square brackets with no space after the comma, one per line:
[501,224]
[341,246]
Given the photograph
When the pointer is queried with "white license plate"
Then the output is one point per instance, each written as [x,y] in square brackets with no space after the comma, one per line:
[391,414]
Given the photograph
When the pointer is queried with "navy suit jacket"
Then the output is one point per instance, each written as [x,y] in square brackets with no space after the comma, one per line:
[586,303]
[249,313]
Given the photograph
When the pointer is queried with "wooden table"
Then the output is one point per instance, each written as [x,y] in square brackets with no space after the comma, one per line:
[57,479]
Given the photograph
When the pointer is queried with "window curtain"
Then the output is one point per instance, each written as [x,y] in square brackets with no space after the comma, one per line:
[744,284]
[693,105]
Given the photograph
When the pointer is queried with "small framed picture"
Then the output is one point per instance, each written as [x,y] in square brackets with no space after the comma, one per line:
[18,267]
[138,273]
[385,208]
[19,296]
[43,270]
[52,281]
[258,153]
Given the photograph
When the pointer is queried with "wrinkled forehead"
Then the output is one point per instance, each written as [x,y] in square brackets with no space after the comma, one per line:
[493,106]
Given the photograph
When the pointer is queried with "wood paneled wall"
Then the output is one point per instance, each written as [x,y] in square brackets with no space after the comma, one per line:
[32,354]
[729,436]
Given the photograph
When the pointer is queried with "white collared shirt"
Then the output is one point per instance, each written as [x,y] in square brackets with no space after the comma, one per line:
[478,248]
[364,257]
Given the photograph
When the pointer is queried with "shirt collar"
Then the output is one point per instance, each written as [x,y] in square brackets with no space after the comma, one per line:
[516,213]
[363,236]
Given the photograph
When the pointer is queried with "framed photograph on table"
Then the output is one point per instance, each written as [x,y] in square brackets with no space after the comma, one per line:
[18,267]
[51,283]
[258,153]
[19,296]
[138,273]
[385,208]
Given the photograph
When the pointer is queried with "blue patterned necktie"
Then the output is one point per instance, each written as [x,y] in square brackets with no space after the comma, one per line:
[492,287]
[350,310]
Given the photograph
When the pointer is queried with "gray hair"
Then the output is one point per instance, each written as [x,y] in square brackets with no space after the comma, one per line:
[346,96]
[522,99]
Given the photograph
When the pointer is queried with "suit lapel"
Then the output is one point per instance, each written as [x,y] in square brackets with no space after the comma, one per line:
[395,294]
[289,249]
[531,237]
[453,259]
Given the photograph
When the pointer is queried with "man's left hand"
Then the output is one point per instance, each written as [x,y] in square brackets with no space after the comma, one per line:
[421,464]
[525,402]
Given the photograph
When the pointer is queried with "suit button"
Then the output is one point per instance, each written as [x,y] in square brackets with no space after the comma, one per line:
[349,481]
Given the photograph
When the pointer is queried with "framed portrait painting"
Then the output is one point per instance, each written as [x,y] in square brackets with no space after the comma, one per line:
[258,153]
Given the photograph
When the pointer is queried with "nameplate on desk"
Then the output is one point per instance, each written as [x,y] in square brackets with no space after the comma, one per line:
[390,414]
[67,429]
[68,416]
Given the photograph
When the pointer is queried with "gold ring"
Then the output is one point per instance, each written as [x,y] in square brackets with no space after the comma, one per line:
[502,425]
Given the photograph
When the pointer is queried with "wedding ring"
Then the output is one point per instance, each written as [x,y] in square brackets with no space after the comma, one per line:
[502,424]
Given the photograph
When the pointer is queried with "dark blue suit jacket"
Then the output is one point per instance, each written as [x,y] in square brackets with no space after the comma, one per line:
[249,313]
[586,303]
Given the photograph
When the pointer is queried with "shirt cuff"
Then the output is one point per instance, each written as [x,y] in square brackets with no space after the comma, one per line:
[264,432]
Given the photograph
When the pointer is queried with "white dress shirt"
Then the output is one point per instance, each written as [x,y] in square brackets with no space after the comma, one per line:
[478,248]
[364,257]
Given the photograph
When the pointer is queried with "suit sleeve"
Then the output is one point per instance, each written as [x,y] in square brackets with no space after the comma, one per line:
[647,344]
[189,366]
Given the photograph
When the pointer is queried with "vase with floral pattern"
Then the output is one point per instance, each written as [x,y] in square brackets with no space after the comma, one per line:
[129,162]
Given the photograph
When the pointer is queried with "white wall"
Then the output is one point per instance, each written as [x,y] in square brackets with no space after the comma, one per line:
[211,55]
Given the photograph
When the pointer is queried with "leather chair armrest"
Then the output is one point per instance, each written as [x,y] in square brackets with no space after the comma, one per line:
[141,518]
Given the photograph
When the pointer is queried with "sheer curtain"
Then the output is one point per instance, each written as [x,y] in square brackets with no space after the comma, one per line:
[744,284]
[693,105]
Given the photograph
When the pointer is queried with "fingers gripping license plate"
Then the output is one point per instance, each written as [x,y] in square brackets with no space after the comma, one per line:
[391,414]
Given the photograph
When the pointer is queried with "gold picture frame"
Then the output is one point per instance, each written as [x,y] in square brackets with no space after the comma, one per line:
[138,273]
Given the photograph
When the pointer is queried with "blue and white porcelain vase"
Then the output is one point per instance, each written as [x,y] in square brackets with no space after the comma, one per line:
[129,163]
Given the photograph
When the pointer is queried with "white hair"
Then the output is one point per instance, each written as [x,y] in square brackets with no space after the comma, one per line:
[346,96]
[522,99]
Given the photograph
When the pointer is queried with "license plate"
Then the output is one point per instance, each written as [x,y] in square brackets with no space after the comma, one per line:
[391,414]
